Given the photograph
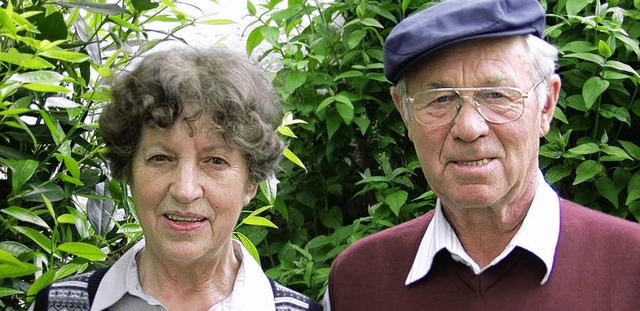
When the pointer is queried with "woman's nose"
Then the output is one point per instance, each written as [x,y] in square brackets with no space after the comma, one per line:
[186,186]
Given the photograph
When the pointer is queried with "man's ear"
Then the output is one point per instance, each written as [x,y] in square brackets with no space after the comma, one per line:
[546,113]
[400,106]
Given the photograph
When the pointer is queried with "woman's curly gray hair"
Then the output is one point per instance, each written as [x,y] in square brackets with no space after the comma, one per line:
[187,84]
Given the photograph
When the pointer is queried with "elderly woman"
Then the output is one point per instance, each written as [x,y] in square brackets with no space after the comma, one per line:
[193,133]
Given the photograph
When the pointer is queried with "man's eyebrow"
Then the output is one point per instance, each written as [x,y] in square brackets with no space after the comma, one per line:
[436,84]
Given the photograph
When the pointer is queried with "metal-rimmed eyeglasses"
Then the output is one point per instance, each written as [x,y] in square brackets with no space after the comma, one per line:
[497,105]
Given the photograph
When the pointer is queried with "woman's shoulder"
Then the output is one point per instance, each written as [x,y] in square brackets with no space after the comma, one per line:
[291,300]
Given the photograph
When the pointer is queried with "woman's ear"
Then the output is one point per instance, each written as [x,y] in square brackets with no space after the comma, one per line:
[250,192]
[546,113]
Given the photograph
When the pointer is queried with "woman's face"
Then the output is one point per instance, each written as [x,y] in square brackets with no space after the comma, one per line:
[188,191]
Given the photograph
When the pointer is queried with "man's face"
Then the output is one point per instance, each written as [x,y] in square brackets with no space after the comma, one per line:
[470,163]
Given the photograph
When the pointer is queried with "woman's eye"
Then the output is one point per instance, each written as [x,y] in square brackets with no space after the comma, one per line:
[159,158]
[217,161]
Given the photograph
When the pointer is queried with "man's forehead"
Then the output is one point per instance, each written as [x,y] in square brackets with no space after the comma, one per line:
[497,62]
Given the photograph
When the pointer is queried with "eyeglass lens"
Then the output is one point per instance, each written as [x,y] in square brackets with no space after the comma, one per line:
[438,107]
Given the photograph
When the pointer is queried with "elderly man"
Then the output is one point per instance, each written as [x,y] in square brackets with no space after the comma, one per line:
[476,88]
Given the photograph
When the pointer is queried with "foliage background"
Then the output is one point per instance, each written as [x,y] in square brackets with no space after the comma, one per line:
[60,213]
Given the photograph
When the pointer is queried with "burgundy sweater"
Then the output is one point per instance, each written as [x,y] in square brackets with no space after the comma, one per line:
[596,267]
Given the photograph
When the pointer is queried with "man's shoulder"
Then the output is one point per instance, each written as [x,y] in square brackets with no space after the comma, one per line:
[576,217]
[403,236]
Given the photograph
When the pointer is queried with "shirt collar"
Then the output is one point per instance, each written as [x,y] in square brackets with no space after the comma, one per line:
[538,234]
[251,290]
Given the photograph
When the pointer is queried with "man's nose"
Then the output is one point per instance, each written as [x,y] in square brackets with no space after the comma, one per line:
[469,124]
[187,185]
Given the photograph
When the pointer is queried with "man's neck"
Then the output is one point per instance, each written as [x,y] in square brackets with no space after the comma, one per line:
[486,232]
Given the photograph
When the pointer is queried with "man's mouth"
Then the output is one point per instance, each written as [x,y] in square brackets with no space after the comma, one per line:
[184,219]
[474,163]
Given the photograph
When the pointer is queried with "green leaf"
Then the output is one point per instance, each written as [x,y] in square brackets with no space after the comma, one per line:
[46,88]
[355,38]
[51,191]
[621,67]
[36,236]
[294,80]
[349,74]
[592,89]
[628,42]
[377,77]
[217,21]
[22,171]
[633,196]
[610,111]
[587,170]
[631,148]
[251,8]
[258,221]
[604,49]
[328,101]
[108,9]
[616,153]
[11,267]
[345,111]
[143,5]
[363,124]
[293,158]
[396,200]
[66,219]
[371,22]
[587,148]
[331,217]
[286,131]
[41,76]
[271,34]
[14,248]
[575,6]
[7,22]
[28,61]
[594,58]
[132,231]
[101,209]
[248,245]
[578,46]
[4,292]
[607,188]
[25,215]
[84,250]
[73,57]
[334,121]
[269,188]
[43,281]
[557,173]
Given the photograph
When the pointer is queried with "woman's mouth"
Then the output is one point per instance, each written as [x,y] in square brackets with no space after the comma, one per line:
[184,219]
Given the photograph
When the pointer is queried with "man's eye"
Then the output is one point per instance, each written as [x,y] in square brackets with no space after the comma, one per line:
[494,95]
[443,101]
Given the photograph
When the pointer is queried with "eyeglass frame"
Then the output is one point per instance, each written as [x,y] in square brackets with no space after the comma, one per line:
[475,90]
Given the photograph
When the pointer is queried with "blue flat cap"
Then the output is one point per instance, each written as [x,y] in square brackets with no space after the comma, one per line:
[454,21]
